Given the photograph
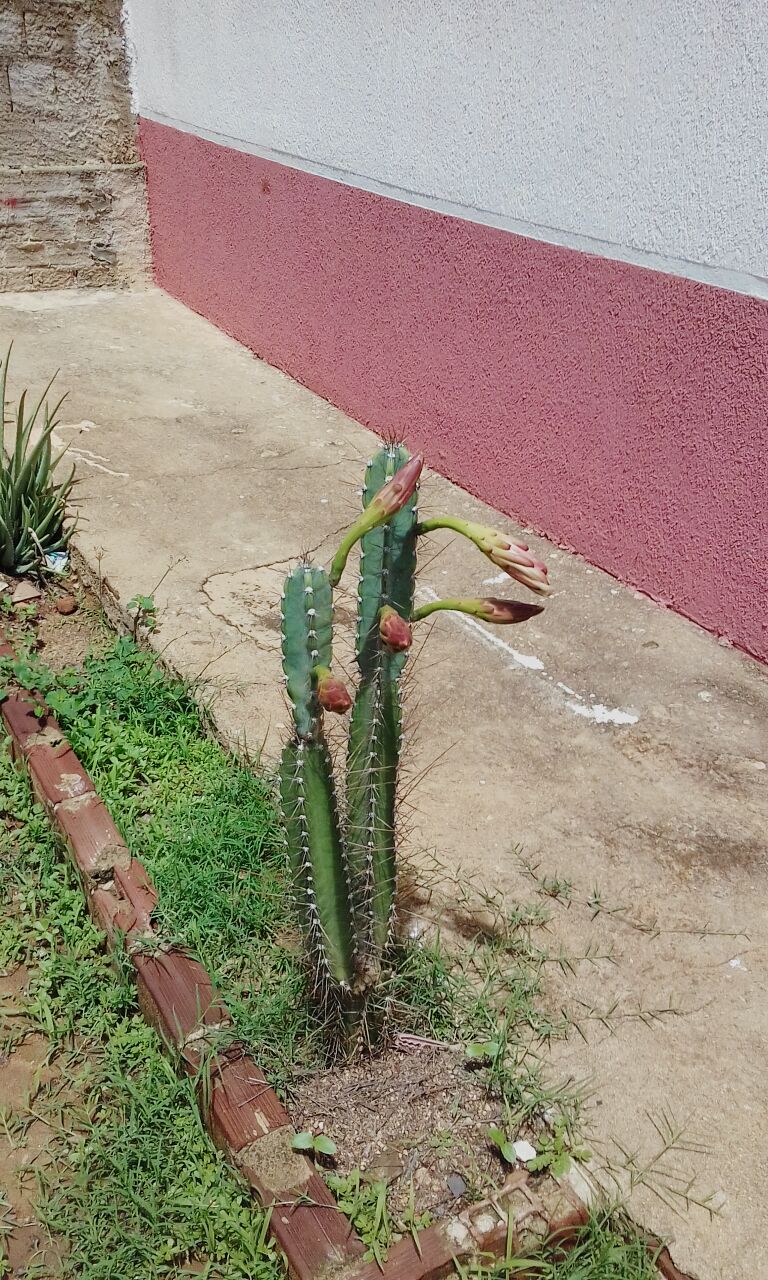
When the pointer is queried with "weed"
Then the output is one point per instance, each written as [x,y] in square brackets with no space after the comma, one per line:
[316,1144]
[606,1248]
[143,612]
[365,1203]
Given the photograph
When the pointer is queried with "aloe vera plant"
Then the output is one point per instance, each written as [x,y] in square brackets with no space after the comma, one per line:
[32,504]
[343,849]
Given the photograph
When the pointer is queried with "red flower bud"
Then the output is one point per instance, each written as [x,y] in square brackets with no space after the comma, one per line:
[332,693]
[395,632]
[393,496]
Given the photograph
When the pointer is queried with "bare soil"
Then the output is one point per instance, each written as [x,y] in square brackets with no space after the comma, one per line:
[25,1244]
[411,1116]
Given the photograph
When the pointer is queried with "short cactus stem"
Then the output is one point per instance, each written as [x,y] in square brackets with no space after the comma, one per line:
[490,609]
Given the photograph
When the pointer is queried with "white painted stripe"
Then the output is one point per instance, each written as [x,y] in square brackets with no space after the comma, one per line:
[589,709]
[718,277]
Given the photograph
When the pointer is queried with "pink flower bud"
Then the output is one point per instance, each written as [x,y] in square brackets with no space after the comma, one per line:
[332,693]
[501,612]
[395,632]
[513,557]
[393,496]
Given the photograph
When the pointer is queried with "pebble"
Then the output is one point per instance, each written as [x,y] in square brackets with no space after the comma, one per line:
[66,604]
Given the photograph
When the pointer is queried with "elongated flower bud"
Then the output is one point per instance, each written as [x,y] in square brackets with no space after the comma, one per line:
[513,557]
[395,632]
[393,496]
[390,499]
[501,612]
[490,609]
[332,693]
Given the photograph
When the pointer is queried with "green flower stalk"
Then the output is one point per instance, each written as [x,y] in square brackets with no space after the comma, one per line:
[513,557]
[386,503]
[490,609]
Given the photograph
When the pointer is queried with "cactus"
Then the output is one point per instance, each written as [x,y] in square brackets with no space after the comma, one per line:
[345,865]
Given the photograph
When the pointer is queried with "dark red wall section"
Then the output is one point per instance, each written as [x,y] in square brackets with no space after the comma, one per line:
[621,411]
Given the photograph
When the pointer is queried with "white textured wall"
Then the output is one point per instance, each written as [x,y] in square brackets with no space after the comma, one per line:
[641,123]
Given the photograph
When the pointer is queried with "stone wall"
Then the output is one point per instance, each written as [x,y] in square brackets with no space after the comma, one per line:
[72,194]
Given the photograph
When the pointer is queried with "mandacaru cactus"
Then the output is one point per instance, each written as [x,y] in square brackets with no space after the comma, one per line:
[344,857]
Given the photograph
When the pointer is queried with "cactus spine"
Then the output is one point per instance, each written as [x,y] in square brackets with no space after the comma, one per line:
[345,872]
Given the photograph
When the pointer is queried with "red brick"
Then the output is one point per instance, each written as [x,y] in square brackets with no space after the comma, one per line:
[136,887]
[55,772]
[439,1251]
[176,995]
[667,1267]
[243,1107]
[92,837]
[24,726]
[110,913]
[306,1222]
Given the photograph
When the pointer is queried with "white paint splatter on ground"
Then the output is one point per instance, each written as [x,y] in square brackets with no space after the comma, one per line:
[601,714]
[575,702]
[86,456]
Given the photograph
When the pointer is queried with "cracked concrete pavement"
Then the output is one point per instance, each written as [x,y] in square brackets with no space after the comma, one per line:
[620,746]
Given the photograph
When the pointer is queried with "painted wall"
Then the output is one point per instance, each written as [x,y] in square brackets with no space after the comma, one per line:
[619,409]
[641,124]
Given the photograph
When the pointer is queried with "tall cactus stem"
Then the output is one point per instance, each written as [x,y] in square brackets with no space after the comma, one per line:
[387,566]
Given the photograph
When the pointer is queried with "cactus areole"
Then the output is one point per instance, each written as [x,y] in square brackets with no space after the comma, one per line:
[343,852]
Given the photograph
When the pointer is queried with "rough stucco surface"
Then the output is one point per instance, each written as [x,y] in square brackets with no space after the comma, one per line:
[639,124]
[72,195]
[619,410]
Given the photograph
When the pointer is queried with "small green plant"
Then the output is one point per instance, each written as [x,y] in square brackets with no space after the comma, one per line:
[32,505]
[482,1052]
[143,612]
[344,863]
[316,1144]
[365,1204]
[554,1151]
[505,1145]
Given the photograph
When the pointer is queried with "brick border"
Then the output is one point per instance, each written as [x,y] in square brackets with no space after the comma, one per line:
[241,1111]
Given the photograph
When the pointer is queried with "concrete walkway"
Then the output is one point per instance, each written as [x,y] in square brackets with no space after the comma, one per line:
[624,749]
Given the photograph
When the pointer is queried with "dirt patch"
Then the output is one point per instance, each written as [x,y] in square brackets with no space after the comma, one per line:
[409,1118]
[24,1140]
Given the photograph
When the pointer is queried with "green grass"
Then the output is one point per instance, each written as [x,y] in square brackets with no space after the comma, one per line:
[207,828]
[142,1176]
[135,1185]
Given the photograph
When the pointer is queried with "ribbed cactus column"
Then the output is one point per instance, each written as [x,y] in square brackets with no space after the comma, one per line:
[387,567]
[307,788]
